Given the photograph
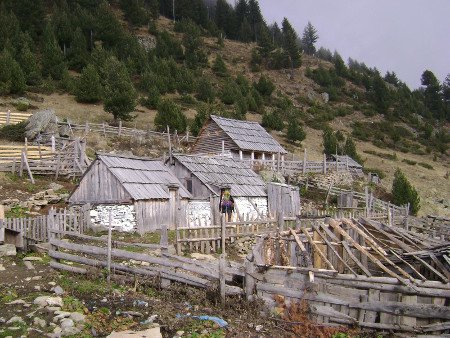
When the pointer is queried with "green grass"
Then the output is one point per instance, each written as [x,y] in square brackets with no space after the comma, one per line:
[15,333]
[8,296]
[426,165]
[72,304]
[409,162]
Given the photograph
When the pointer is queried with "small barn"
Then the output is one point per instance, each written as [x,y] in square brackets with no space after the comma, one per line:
[205,178]
[140,193]
[244,139]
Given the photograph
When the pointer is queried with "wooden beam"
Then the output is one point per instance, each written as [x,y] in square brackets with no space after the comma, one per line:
[317,249]
[356,260]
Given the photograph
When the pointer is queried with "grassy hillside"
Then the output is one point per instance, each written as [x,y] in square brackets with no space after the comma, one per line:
[385,141]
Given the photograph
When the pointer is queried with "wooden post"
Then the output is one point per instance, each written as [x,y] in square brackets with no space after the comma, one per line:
[346,162]
[389,214]
[223,232]
[241,155]
[187,135]
[108,258]
[104,129]
[25,163]
[222,284]
[366,195]
[8,117]
[407,216]
[2,217]
[324,163]
[223,147]
[304,161]
[120,128]
[273,161]
[278,162]
[170,145]
[26,146]
[252,158]
[53,144]
[281,220]
[86,128]
[249,280]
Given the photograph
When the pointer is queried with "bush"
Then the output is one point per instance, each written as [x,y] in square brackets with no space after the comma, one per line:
[88,88]
[170,114]
[219,67]
[409,162]
[426,165]
[205,91]
[295,131]
[230,93]
[13,132]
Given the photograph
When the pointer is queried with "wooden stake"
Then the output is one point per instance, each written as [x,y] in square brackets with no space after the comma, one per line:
[108,259]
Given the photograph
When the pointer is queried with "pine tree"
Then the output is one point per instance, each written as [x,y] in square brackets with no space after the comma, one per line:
[309,39]
[277,35]
[255,18]
[272,121]
[29,64]
[224,18]
[264,86]
[12,80]
[339,65]
[62,27]
[245,31]
[432,94]
[380,95]
[330,144]
[219,67]
[265,43]
[119,93]
[403,192]
[78,55]
[170,114]
[205,91]
[295,131]
[18,83]
[89,88]
[350,150]
[52,57]
[290,44]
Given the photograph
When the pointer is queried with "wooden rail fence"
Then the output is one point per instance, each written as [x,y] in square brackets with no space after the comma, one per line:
[7,118]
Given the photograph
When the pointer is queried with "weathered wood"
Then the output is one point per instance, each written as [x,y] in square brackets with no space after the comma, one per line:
[355,259]
[222,283]
[317,249]
[65,267]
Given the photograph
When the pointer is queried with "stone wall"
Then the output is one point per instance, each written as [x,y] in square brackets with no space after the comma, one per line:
[245,207]
[199,211]
[123,217]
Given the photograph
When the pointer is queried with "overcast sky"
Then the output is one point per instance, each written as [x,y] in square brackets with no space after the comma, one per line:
[405,36]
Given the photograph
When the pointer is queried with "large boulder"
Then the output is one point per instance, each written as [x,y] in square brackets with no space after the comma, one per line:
[7,250]
[42,122]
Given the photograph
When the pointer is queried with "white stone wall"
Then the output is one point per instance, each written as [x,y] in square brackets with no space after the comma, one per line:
[245,207]
[123,216]
[199,211]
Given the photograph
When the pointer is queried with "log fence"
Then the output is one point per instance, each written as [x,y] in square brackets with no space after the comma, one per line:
[7,118]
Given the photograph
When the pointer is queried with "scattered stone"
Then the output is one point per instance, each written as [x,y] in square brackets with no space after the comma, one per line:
[39,322]
[258,328]
[140,303]
[65,323]
[77,317]
[71,331]
[2,268]
[15,319]
[58,290]
[154,332]
[180,333]
[36,278]
[52,309]
[16,302]
[57,330]
[32,259]
[55,186]
[2,320]
[104,300]
[37,287]
[7,250]
[133,313]
[44,301]
[149,320]
[51,283]
[203,257]
[29,265]
[28,279]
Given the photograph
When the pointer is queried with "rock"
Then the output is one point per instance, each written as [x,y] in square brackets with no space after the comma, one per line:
[16,302]
[60,315]
[39,322]
[42,122]
[67,322]
[77,317]
[7,250]
[70,331]
[180,333]
[325,97]
[55,186]
[32,259]
[44,301]
[258,328]
[133,313]
[2,268]
[29,265]
[52,309]
[37,287]
[57,330]
[203,257]
[154,332]
[52,283]
[2,320]
[15,319]
[58,290]
[36,278]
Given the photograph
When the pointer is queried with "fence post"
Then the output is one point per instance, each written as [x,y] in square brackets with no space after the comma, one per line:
[53,143]
[2,228]
[8,117]
[120,128]
[222,284]
[249,280]
[108,259]
[366,195]
[324,163]
[304,161]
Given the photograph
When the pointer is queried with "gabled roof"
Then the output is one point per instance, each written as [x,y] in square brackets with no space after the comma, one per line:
[344,158]
[143,178]
[248,135]
[222,172]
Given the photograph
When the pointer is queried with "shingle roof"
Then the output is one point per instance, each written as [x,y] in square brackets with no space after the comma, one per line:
[143,178]
[249,135]
[344,158]
[224,172]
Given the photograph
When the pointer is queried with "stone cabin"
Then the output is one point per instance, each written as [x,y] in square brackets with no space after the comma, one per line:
[243,139]
[142,194]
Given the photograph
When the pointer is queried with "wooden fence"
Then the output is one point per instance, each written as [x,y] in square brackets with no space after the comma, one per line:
[7,118]
[365,275]
[35,229]
[121,131]
[68,160]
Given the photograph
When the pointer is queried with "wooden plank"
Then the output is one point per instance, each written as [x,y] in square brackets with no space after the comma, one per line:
[356,260]
[317,249]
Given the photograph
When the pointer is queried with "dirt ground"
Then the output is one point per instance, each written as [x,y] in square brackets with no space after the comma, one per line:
[105,306]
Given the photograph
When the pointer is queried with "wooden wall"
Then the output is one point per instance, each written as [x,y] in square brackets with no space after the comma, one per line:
[99,186]
[199,190]
[210,140]
[285,198]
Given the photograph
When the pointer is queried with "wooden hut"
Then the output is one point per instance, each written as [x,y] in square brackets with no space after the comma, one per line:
[139,191]
[244,139]
[205,177]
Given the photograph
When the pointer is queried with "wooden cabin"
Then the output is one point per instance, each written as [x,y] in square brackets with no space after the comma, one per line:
[139,192]
[205,177]
[244,139]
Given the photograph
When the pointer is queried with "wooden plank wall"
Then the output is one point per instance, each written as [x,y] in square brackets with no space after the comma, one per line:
[283,198]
